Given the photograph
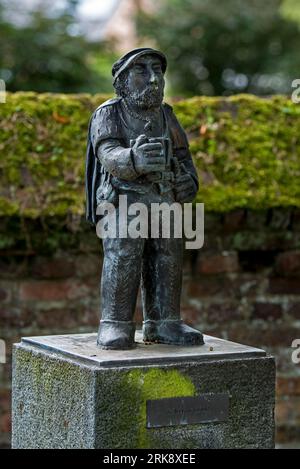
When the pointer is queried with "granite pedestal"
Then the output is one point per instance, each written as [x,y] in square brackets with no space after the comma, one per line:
[67,393]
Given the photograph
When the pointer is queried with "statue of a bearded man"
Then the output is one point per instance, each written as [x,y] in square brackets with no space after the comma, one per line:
[137,148]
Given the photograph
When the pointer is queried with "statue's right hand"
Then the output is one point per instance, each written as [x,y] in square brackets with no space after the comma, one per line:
[148,157]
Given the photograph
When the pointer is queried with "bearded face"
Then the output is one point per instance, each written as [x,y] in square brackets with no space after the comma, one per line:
[143,84]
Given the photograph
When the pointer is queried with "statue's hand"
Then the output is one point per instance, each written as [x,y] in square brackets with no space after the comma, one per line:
[185,187]
[148,157]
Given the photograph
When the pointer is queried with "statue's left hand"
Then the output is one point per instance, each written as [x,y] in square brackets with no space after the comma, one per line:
[185,188]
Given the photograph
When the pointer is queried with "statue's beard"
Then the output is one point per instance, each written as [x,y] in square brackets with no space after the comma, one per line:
[150,98]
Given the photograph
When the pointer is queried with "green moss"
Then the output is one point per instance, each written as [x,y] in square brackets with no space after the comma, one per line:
[154,384]
[246,150]
[42,147]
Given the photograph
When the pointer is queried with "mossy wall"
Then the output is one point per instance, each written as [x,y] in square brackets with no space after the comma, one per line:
[246,150]
[244,285]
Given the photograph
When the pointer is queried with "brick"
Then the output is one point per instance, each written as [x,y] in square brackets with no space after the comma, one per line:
[206,286]
[16,317]
[213,222]
[215,263]
[5,374]
[267,311]
[236,286]
[5,397]
[261,240]
[256,218]
[5,423]
[90,243]
[263,334]
[44,267]
[213,241]
[287,435]
[67,318]
[294,310]
[296,220]
[280,218]
[190,315]
[6,291]
[284,286]
[55,290]
[44,291]
[3,294]
[88,265]
[288,263]
[221,313]
[249,285]
[288,386]
[257,261]
[234,221]
[284,240]
[4,315]
[13,267]
[287,411]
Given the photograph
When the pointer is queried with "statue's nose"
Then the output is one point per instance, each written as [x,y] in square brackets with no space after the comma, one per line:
[153,78]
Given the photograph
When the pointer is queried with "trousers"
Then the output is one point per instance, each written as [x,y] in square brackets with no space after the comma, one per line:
[155,264]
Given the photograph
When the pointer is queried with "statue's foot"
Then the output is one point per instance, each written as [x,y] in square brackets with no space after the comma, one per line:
[116,335]
[171,332]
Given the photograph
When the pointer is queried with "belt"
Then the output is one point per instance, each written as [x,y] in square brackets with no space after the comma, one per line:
[160,177]
[162,180]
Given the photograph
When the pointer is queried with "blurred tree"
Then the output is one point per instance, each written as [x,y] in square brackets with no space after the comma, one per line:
[224,48]
[48,53]
[290,9]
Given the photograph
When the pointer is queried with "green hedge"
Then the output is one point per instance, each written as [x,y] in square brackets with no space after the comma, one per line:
[246,150]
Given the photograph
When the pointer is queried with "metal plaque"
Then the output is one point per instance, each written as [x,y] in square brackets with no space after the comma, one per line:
[187,410]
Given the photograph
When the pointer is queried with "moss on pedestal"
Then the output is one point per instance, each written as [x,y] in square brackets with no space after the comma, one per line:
[154,384]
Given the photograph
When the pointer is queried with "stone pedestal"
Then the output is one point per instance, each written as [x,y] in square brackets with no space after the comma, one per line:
[67,393]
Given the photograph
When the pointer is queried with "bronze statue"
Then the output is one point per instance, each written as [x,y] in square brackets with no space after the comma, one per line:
[136,147]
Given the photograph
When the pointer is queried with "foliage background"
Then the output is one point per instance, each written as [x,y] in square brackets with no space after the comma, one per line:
[246,150]
[226,48]
[213,48]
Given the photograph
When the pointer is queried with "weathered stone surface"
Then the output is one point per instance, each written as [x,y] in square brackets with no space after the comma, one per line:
[61,400]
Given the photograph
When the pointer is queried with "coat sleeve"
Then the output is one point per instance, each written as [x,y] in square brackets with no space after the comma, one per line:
[180,142]
[106,138]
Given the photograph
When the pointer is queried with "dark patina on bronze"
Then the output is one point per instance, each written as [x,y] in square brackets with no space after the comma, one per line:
[136,147]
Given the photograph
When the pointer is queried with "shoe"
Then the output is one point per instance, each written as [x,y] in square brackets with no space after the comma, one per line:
[172,332]
[116,335]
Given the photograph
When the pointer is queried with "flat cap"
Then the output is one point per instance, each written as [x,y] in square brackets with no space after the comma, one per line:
[124,62]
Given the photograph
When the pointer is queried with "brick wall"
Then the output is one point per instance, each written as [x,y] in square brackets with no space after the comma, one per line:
[244,285]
